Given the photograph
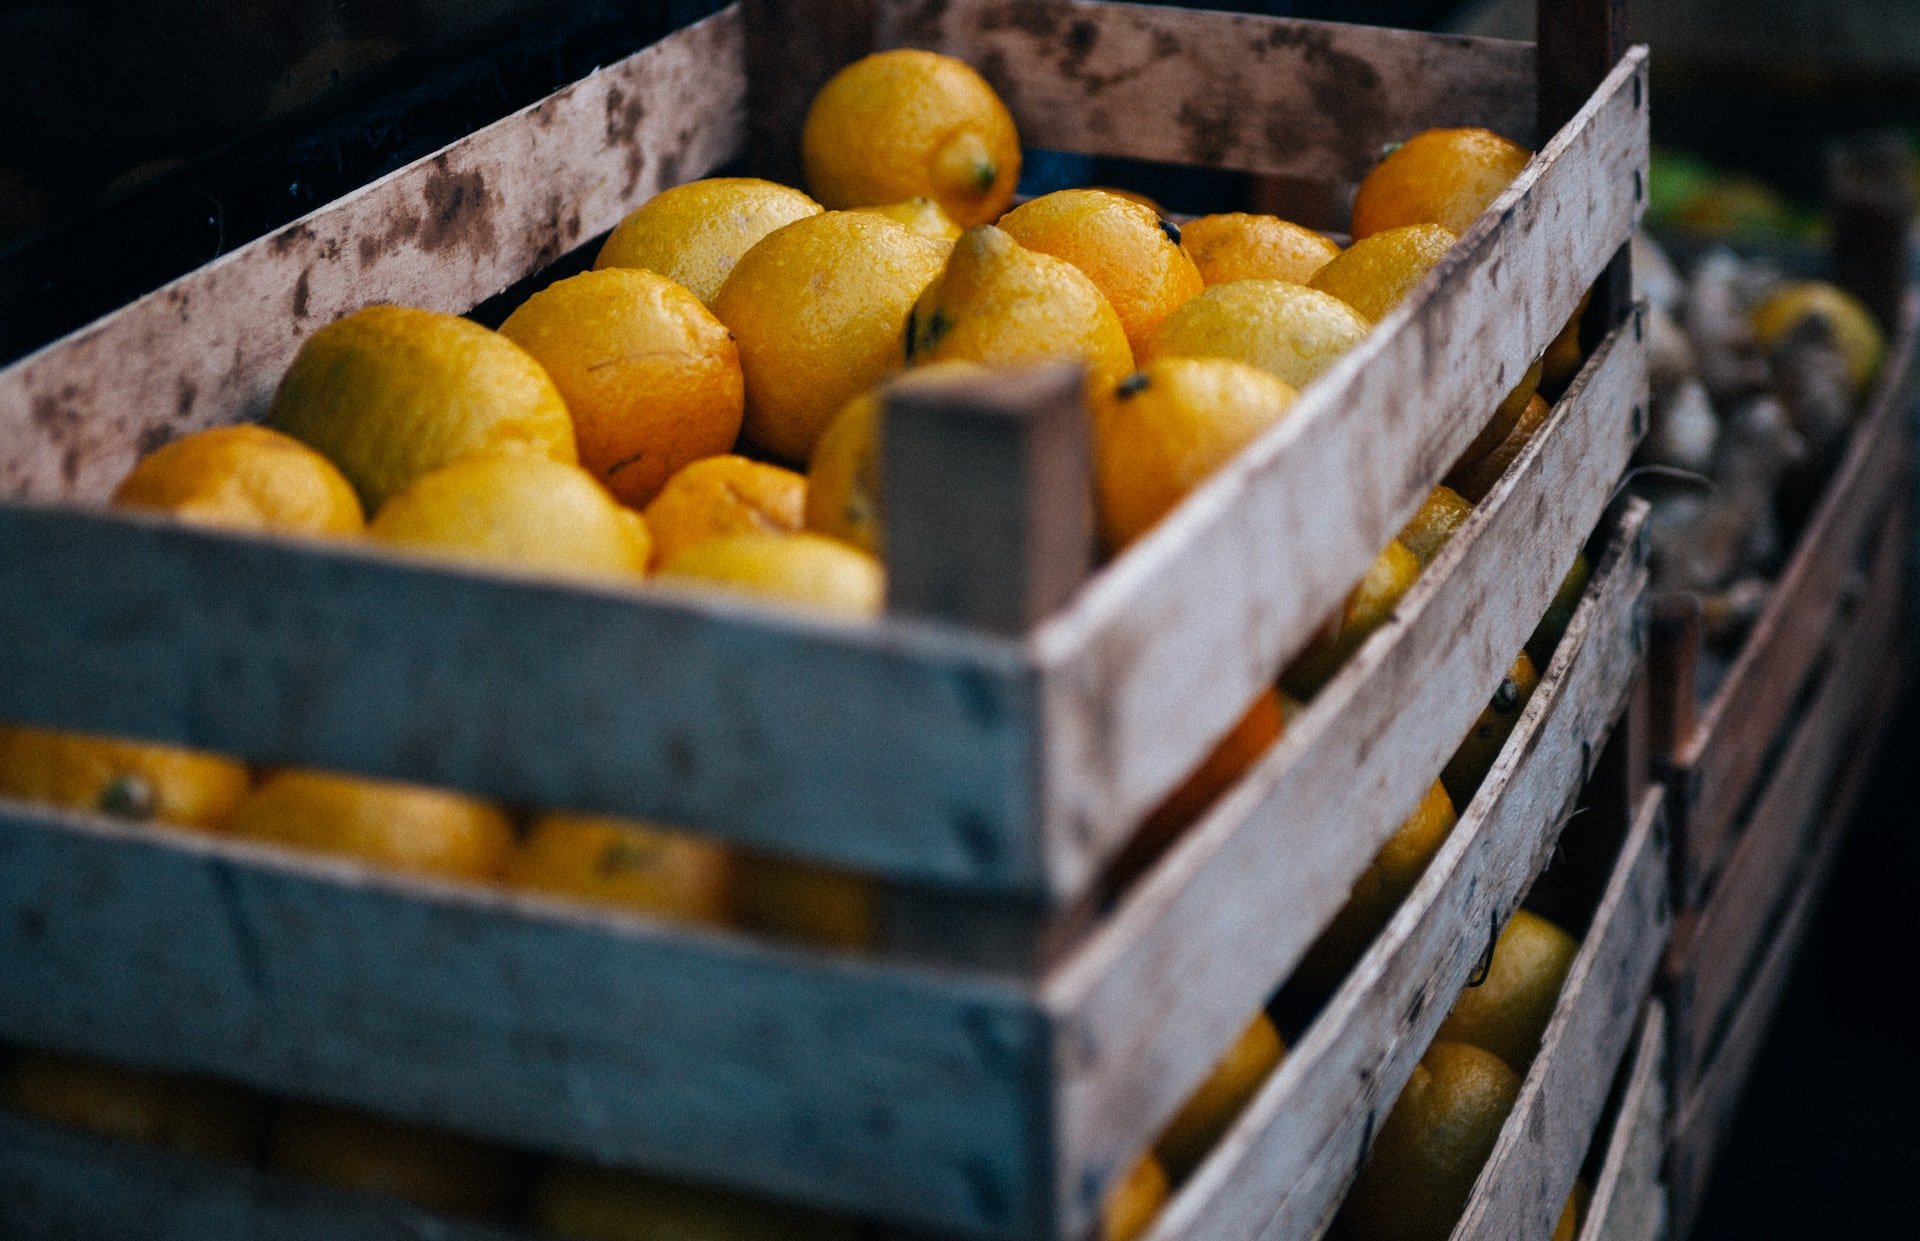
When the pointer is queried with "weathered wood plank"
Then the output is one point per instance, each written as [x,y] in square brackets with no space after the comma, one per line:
[1722,939]
[1260,94]
[680,708]
[1524,1187]
[1163,650]
[63,1185]
[1721,761]
[910,1094]
[446,232]
[1227,914]
[1629,1201]
[1288,1161]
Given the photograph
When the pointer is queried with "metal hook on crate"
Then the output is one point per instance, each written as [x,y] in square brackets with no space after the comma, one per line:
[1484,965]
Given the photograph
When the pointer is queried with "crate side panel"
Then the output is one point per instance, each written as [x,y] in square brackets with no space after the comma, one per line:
[538,1024]
[1266,95]
[445,232]
[1307,1129]
[1628,1202]
[1163,651]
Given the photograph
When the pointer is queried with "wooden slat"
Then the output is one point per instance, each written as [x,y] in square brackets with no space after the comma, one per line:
[58,1184]
[683,709]
[1228,913]
[1289,1159]
[1629,1201]
[1721,761]
[1524,1186]
[1261,94]
[446,231]
[914,1095]
[1713,956]
[1163,650]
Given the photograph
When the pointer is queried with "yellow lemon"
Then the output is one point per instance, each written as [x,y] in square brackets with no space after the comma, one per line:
[1442,176]
[693,234]
[601,1204]
[628,863]
[184,1114]
[802,901]
[1369,605]
[1476,755]
[1130,253]
[1211,1110]
[1375,274]
[719,496]
[391,392]
[370,1154]
[244,477]
[652,379]
[1003,305]
[918,215]
[1162,430]
[912,124]
[1508,1012]
[818,310]
[402,826]
[1287,330]
[520,512]
[1239,246]
[1133,1201]
[1440,517]
[810,570]
[123,779]
[1850,324]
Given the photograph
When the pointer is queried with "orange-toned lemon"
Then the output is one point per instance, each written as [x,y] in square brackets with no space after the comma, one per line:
[1561,362]
[1250,737]
[802,901]
[1442,176]
[718,496]
[808,570]
[244,477]
[1375,274]
[625,862]
[1239,246]
[402,826]
[1129,252]
[1506,415]
[1475,480]
[1287,330]
[693,234]
[1369,605]
[918,215]
[1211,1110]
[652,379]
[1476,755]
[194,1116]
[910,124]
[369,1154]
[123,779]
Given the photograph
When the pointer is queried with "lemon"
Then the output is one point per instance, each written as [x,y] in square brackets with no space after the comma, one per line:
[1239,246]
[402,826]
[244,477]
[1439,518]
[123,779]
[1442,176]
[810,570]
[1509,1011]
[1368,606]
[1506,416]
[1474,481]
[1375,274]
[1212,1108]
[1287,330]
[693,234]
[719,496]
[1850,324]
[1133,1201]
[1132,255]
[1476,755]
[918,215]
[625,862]
[814,904]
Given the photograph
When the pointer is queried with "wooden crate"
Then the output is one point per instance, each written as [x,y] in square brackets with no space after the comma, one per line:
[988,761]
[1629,1201]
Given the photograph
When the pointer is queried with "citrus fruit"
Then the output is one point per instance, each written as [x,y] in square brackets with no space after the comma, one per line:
[403,826]
[1506,415]
[817,309]
[1508,1012]
[1129,252]
[1439,518]
[802,901]
[1559,615]
[1441,176]
[370,1154]
[918,215]
[1567,1228]
[1475,480]
[1239,246]
[1561,362]
[1431,1147]
[652,379]
[244,477]
[1211,1110]
[518,511]
[693,234]
[1003,305]
[1380,890]
[1375,274]
[912,124]
[123,779]
[1132,196]
[196,1117]
[1250,737]
[1475,757]
[390,392]
[718,496]
[810,570]
[1849,323]
[1368,606]
[1133,1201]
[1287,330]
[1162,430]
[625,862]
[843,481]
[601,1204]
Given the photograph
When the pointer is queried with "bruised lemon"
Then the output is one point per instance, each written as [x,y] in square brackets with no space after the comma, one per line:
[1287,330]
[244,477]
[651,377]
[918,215]
[1162,430]
[625,862]
[1003,305]
[719,496]
[814,904]
[390,392]
[370,1154]
[910,124]
[693,234]
[1133,1201]
[402,826]
[1442,176]
[1477,754]
[1509,1010]
[806,569]
[818,310]
[194,1116]
[122,779]
[1131,254]
[1368,606]
[519,512]
[1375,274]
[1439,518]
[1237,245]
[1212,1108]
